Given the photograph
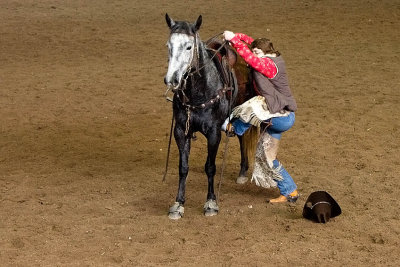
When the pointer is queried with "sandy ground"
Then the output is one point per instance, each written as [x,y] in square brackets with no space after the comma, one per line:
[84,131]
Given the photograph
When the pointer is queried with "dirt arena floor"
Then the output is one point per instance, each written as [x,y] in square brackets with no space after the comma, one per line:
[84,130]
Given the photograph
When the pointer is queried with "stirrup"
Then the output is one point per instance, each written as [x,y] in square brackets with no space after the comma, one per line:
[230,131]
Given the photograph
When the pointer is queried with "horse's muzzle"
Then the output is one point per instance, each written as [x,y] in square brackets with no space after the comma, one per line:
[173,83]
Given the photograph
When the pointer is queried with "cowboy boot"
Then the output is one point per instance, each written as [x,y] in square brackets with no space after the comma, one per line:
[292,198]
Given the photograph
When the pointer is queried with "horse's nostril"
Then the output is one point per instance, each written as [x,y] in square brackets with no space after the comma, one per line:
[165,80]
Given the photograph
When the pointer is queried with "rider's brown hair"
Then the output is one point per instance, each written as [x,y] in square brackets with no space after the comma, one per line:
[265,45]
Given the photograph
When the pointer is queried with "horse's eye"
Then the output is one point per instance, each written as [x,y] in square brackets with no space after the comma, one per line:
[189,48]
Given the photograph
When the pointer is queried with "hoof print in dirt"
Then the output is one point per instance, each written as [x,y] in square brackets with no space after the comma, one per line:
[176,211]
[211,208]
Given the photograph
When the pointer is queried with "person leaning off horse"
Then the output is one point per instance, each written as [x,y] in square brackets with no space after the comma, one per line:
[270,81]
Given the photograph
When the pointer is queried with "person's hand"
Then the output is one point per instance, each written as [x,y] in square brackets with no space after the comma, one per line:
[228,35]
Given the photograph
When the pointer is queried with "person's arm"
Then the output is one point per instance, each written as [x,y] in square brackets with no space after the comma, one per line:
[245,38]
[264,65]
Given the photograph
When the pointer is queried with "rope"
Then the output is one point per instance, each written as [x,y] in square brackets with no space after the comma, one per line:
[214,37]
[211,59]
[187,125]
[169,147]
[225,153]
[223,166]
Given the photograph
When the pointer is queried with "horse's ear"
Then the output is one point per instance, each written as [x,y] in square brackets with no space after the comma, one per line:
[170,22]
[197,24]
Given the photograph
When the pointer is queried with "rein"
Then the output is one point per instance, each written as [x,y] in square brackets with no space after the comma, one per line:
[215,52]
[169,147]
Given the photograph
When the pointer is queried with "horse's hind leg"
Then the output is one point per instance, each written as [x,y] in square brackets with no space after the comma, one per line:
[213,140]
[244,163]
[183,142]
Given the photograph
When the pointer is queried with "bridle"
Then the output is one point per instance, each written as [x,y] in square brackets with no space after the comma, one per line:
[194,68]
[195,59]
[188,72]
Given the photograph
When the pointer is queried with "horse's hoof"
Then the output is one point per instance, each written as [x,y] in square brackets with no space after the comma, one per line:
[176,211]
[174,215]
[242,180]
[210,213]
[211,208]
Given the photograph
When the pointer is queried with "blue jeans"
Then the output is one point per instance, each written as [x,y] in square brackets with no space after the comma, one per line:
[277,127]
[286,185]
[280,125]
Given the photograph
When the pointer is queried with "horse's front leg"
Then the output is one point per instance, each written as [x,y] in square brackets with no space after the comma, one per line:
[213,140]
[183,142]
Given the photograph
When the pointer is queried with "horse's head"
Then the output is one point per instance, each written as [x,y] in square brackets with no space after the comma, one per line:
[182,49]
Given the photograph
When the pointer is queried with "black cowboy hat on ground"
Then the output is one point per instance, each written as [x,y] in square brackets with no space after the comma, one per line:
[320,207]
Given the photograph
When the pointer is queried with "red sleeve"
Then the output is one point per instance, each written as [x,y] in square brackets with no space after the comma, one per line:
[264,65]
[245,38]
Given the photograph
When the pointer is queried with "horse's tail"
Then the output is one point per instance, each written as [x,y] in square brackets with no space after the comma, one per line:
[250,140]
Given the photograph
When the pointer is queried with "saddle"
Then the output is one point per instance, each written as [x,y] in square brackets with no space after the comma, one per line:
[233,69]
[224,59]
[225,51]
